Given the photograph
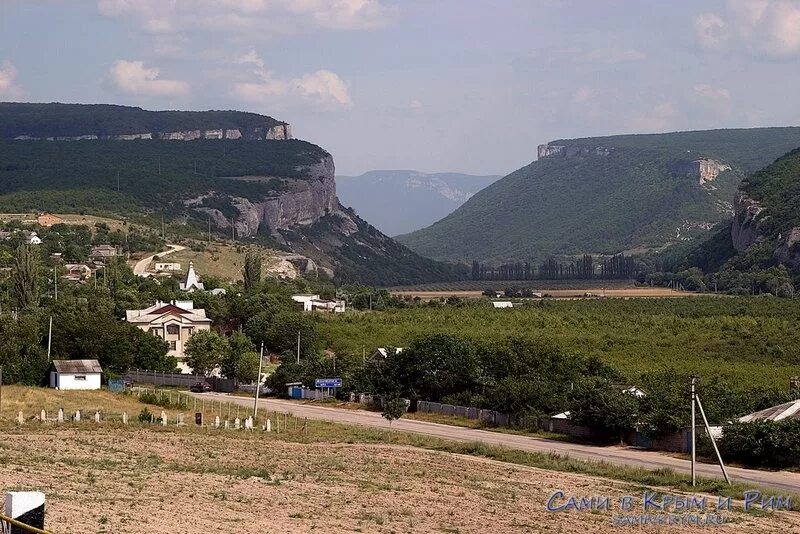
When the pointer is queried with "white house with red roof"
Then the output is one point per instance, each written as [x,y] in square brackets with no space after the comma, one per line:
[174,322]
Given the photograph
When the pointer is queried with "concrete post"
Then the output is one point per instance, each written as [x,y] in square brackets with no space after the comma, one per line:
[124,418]
[26,507]
[61,415]
[216,421]
[77,416]
[269,425]
[97,416]
[163,418]
[43,416]
[20,418]
[236,424]
[227,424]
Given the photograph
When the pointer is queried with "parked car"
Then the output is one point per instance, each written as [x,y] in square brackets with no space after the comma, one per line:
[200,387]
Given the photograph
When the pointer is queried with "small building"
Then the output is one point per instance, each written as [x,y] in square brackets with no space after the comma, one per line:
[167,267]
[174,322]
[311,302]
[787,410]
[219,291]
[103,253]
[502,304]
[48,219]
[381,353]
[77,272]
[192,282]
[31,238]
[75,374]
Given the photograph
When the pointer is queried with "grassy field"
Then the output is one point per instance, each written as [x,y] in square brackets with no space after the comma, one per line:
[748,340]
[147,478]
[225,260]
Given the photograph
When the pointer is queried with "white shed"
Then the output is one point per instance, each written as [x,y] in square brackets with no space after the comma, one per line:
[75,374]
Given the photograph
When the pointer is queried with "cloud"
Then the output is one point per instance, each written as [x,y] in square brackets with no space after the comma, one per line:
[613,55]
[769,28]
[662,117]
[132,77]
[715,93]
[8,77]
[323,87]
[260,16]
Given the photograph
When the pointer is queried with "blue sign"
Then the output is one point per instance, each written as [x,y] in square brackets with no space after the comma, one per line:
[328,383]
[116,385]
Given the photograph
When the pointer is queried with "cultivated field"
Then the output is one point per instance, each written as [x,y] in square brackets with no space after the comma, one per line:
[578,292]
[138,480]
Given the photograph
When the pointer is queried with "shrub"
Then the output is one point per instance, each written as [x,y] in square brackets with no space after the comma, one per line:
[145,416]
[762,443]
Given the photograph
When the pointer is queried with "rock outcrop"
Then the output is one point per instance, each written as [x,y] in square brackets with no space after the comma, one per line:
[788,251]
[569,151]
[278,132]
[744,229]
[704,170]
[301,202]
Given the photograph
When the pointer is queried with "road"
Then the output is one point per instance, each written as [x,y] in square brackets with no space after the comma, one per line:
[140,269]
[778,480]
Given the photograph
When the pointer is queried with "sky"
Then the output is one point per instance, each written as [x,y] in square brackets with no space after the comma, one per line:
[433,85]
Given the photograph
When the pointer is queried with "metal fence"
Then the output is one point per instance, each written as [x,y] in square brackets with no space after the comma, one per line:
[156,378]
[487,416]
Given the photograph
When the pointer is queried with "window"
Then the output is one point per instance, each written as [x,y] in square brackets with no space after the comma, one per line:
[156,332]
[80,377]
[173,345]
[173,329]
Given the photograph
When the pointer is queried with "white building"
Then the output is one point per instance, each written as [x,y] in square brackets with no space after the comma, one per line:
[381,353]
[502,304]
[167,266]
[192,282]
[315,303]
[75,374]
[174,322]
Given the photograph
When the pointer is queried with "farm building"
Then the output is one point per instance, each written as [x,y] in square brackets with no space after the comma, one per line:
[502,304]
[75,374]
[788,410]
[381,353]
[167,266]
[315,303]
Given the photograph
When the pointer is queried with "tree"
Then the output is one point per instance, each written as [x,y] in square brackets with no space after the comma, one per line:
[251,271]
[25,276]
[393,408]
[205,351]
[247,367]
[596,403]
[232,363]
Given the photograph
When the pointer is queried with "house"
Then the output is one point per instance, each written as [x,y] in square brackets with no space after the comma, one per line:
[166,266]
[103,253]
[175,322]
[219,291]
[77,272]
[75,374]
[31,238]
[502,304]
[787,410]
[47,220]
[192,282]
[315,303]
[381,353]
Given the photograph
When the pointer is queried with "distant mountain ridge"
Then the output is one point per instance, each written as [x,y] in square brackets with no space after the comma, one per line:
[605,195]
[401,201]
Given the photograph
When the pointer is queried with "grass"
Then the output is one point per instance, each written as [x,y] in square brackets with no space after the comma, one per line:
[319,432]
[225,260]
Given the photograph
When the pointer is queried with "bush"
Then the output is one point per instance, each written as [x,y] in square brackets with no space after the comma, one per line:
[163,401]
[145,416]
[762,443]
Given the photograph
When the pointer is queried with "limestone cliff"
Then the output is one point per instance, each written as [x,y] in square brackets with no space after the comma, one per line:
[568,151]
[744,229]
[278,132]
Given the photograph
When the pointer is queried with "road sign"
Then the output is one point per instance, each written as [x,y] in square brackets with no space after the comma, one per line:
[328,383]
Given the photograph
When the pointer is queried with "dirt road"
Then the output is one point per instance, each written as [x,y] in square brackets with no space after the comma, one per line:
[140,269]
[780,480]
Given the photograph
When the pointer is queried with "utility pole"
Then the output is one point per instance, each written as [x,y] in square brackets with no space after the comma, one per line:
[298,346]
[713,441]
[117,180]
[209,229]
[1,389]
[55,282]
[258,382]
[694,429]
[163,230]
[49,338]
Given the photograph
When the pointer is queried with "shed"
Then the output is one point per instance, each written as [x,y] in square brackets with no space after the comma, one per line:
[75,374]
[502,304]
[787,410]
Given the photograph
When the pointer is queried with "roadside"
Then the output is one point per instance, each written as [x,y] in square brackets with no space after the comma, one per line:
[140,268]
[609,461]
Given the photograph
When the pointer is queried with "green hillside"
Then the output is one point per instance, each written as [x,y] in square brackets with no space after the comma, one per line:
[67,120]
[610,194]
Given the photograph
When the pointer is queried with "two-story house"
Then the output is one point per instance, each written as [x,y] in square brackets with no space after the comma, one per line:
[174,322]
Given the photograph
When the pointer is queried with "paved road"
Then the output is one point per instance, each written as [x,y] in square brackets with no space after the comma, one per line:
[780,480]
[140,269]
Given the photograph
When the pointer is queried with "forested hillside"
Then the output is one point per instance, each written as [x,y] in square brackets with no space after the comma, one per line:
[605,195]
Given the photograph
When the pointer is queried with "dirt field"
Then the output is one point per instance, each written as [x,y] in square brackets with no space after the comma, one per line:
[598,292]
[69,218]
[132,480]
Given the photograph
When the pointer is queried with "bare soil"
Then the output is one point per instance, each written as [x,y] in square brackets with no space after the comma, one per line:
[135,479]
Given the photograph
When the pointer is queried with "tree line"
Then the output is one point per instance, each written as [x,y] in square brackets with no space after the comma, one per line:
[618,266]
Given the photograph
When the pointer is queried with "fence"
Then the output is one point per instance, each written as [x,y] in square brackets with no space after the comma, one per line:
[223,385]
[487,416]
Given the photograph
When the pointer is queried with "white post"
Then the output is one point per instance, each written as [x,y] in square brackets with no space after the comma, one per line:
[20,418]
[694,432]
[26,507]
[269,425]
[124,418]
[163,418]
[97,416]
[258,381]
[236,423]
[43,416]
[77,415]
[216,421]
[50,337]
[61,415]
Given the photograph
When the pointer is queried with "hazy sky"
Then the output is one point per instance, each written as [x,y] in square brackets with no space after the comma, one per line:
[434,85]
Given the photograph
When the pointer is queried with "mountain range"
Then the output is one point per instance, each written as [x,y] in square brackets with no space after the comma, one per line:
[401,201]
[605,195]
[239,173]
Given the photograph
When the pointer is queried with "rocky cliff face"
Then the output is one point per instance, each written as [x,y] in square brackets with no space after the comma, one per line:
[274,133]
[301,202]
[568,151]
[744,229]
